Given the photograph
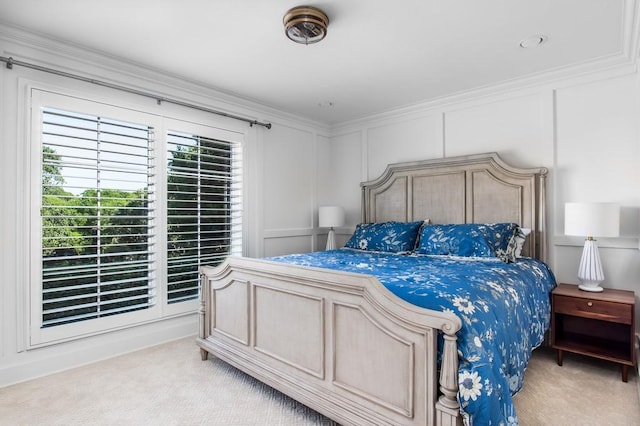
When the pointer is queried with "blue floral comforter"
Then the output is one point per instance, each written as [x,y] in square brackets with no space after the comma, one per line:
[504,308]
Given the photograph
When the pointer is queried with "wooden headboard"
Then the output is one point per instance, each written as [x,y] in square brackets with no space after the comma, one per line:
[478,188]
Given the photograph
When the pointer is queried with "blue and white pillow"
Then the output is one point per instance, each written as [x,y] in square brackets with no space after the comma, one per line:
[468,240]
[385,236]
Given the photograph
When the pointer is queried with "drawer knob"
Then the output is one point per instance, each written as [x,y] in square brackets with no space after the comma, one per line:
[589,304]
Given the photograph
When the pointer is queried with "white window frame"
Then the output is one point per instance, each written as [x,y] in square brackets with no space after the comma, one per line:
[38,97]
[171,124]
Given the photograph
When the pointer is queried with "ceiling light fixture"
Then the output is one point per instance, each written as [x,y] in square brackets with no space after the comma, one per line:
[305,24]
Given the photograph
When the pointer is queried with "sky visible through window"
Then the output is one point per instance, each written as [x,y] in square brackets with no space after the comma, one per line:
[97,152]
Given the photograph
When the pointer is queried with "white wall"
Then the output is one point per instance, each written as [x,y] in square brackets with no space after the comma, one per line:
[598,152]
[280,171]
[584,130]
[289,187]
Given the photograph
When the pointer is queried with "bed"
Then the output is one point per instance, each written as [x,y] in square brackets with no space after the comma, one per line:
[340,341]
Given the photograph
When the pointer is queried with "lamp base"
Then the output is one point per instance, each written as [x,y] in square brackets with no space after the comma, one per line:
[590,271]
[592,287]
[331,240]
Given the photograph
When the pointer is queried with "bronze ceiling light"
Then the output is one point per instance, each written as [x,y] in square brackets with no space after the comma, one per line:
[305,24]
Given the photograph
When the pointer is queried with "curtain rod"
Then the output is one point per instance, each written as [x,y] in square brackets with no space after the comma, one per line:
[11,62]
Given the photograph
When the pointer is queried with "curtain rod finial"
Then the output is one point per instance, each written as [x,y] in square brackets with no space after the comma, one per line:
[256,122]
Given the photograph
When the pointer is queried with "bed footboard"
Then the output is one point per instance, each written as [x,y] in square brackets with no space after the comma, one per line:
[337,342]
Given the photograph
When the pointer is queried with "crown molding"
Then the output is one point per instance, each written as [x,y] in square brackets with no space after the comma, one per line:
[621,63]
[30,46]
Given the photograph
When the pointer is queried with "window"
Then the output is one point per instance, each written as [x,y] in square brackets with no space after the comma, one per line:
[117,239]
[97,215]
[204,199]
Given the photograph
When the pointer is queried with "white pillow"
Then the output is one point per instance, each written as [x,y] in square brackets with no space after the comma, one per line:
[520,239]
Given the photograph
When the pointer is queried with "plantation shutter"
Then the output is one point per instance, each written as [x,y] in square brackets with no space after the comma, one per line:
[204,208]
[97,216]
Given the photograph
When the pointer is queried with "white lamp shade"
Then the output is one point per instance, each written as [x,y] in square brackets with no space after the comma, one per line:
[592,219]
[330,216]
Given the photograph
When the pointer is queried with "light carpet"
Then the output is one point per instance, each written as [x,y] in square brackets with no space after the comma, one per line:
[169,385]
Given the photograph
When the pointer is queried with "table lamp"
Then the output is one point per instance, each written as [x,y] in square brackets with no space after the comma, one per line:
[331,217]
[591,220]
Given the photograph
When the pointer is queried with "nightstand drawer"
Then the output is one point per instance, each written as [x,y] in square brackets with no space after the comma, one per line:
[596,309]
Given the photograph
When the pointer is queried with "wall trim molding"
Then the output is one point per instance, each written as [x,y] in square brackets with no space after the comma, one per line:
[608,66]
[35,48]
[67,356]
[550,81]
[617,243]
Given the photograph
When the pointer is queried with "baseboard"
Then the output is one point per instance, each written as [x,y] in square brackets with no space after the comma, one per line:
[45,361]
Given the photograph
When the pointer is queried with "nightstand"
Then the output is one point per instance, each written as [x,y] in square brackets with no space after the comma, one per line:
[600,325]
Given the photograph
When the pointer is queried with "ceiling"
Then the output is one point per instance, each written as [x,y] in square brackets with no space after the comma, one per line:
[378,54]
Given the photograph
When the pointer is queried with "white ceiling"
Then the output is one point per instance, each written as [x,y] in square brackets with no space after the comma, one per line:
[378,54]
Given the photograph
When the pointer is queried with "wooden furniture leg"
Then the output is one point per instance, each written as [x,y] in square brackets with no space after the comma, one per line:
[204,355]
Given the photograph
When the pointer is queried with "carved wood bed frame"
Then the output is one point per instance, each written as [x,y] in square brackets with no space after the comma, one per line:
[341,343]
